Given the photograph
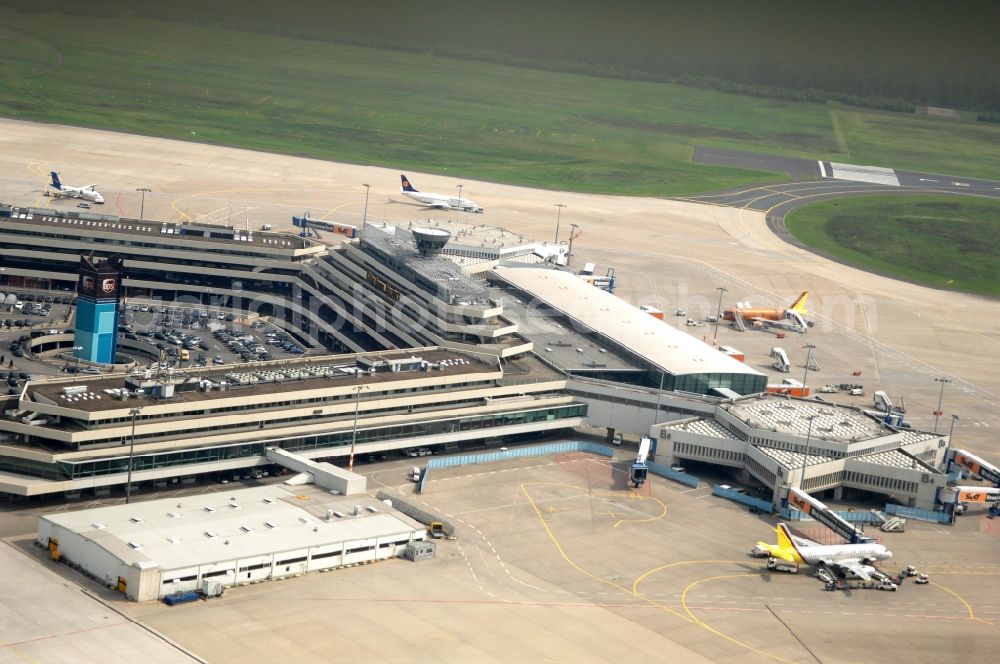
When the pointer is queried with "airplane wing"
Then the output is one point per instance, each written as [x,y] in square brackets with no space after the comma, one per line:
[855,565]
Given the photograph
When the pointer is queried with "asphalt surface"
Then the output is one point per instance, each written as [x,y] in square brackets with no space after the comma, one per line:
[807,186]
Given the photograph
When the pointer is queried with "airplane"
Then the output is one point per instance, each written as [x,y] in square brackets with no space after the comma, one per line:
[791,318]
[88,193]
[856,558]
[438,201]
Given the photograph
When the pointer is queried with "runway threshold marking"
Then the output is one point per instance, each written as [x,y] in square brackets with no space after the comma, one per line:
[689,618]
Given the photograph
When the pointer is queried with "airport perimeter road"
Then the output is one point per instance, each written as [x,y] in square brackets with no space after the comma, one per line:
[778,199]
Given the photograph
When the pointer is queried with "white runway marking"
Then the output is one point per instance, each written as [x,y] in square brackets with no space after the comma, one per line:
[872,174]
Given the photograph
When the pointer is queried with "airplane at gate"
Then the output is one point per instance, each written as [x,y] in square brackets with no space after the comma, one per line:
[793,314]
[439,201]
[856,558]
[88,193]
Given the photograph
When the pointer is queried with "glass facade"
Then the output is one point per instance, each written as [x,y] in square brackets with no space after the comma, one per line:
[119,464]
[701,383]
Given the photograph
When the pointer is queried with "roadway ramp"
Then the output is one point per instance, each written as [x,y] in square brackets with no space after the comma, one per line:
[324,475]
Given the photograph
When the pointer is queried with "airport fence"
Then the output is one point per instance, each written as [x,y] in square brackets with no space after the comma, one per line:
[861,517]
[671,474]
[732,494]
[919,515]
[505,454]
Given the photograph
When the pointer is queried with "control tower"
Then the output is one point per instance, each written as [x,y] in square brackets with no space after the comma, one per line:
[430,241]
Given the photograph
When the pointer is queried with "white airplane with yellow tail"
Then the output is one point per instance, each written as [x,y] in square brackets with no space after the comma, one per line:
[856,558]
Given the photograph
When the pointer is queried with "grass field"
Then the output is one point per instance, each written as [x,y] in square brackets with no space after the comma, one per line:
[484,121]
[948,242]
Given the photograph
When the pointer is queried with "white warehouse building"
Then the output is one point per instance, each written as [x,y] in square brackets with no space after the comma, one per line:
[152,549]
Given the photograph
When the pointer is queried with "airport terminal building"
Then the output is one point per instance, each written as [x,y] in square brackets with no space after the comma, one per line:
[782,442]
[70,435]
[496,348]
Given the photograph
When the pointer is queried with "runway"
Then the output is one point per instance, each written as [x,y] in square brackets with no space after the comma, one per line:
[809,185]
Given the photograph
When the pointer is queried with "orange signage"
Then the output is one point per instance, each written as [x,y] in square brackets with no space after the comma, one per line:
[799,504]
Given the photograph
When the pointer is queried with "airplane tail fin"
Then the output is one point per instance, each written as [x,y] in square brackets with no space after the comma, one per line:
[784,537]
[55,180]
[800,304]
[406,183]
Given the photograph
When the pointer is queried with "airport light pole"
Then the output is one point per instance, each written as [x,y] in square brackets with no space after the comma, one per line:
[364,219]
[809,357]
[459,198]
[718,313]
[559,207]
[354,429]
[572,234]
[142,202]
[131,450]
[937,413]
[805,457]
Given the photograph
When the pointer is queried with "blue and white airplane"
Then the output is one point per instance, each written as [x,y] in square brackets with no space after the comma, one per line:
[438,201]
[60,190]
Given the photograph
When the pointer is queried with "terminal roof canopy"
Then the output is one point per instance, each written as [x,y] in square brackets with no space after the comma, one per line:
[590,308]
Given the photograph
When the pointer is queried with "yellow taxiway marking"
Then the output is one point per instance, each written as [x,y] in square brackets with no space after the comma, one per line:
[332,210]
[634,496]
[704,624]
[968,607]
[569,561]
[37,169]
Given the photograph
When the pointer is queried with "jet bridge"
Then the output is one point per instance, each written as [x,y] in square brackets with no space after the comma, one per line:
[976,466]
[802,501]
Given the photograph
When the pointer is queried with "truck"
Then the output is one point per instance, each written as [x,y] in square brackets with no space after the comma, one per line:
[779,565]
[861,584]
[639,470]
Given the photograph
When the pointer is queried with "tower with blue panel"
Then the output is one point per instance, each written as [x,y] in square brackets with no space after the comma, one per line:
[98,302]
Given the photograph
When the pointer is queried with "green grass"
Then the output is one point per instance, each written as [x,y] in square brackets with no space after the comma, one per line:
[412,111]
[920,143]
[947,242]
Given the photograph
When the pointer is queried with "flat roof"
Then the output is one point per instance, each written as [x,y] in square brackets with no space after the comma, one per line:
[558,343]
[451,363]
[85,221]
[189,531]
[660,344]
[831,421]
[468,236]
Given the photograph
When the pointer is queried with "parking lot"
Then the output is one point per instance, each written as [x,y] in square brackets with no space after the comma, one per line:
[181,336]
[198,337]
